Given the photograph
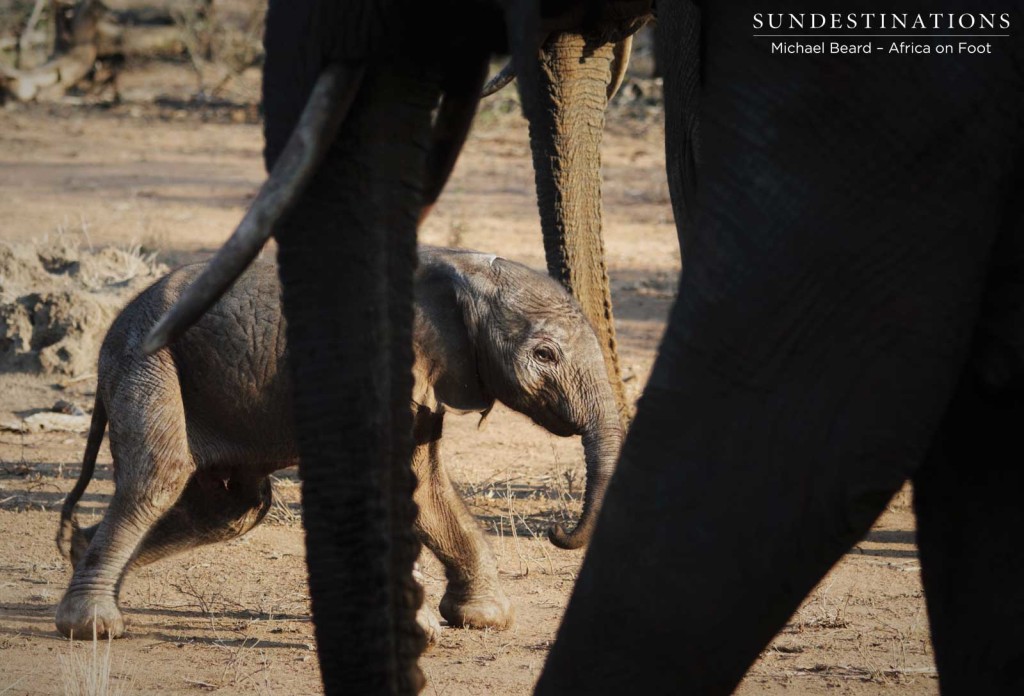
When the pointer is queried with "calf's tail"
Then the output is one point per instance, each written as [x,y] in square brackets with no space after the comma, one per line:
[68,523]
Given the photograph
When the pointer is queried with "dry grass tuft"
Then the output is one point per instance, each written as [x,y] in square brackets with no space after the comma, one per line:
[283,510]
[85,670]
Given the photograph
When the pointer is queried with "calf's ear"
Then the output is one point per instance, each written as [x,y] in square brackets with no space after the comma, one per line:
[448,324]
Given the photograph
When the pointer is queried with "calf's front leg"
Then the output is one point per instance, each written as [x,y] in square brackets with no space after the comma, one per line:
[474,597]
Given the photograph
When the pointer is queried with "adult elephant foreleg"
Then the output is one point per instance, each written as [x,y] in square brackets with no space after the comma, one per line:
[473,596]
[738,490]
[567,113]
[969,523]
[823,321]
[344,253]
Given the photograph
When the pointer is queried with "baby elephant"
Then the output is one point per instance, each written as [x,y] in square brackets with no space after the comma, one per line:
[197,428]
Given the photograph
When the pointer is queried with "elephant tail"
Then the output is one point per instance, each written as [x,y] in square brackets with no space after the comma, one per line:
[68,523]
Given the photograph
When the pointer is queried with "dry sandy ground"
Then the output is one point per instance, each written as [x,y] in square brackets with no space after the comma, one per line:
[235,618]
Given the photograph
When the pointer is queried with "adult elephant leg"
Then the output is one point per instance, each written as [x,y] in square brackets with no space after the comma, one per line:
[566,126]
[473,597]
[736,493]
[342,251]
[970,520]
[824,316]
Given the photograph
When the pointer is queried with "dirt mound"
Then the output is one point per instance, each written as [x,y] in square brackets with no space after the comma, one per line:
[57,300]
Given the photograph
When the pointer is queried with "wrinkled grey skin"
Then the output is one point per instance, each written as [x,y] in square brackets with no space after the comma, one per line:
[196,429]
[850,316]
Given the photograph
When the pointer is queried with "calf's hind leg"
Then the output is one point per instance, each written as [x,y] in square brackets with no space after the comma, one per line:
[211,510]
[152,466]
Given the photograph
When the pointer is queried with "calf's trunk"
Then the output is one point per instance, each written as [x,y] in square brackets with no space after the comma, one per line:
[602,440]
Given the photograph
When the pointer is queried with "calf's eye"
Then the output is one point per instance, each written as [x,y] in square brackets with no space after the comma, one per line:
[544,354]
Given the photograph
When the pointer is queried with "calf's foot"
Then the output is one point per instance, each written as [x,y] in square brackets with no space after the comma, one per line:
[78,613]
[430,624]
[479,609]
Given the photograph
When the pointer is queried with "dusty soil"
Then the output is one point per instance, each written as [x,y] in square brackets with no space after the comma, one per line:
[235,618]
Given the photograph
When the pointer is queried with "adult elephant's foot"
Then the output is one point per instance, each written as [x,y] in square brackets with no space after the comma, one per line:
[481,609]
[78,613]
[430,624]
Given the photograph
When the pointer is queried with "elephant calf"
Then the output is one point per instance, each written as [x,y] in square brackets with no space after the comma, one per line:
[197,428]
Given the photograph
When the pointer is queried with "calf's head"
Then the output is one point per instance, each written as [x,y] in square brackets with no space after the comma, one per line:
[532,349]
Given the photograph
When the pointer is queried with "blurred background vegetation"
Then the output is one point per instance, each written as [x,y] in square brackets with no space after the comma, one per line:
[184,54]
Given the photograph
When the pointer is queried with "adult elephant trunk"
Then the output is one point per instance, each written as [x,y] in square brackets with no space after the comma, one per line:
[353,234]
[566,124]
[602,439]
